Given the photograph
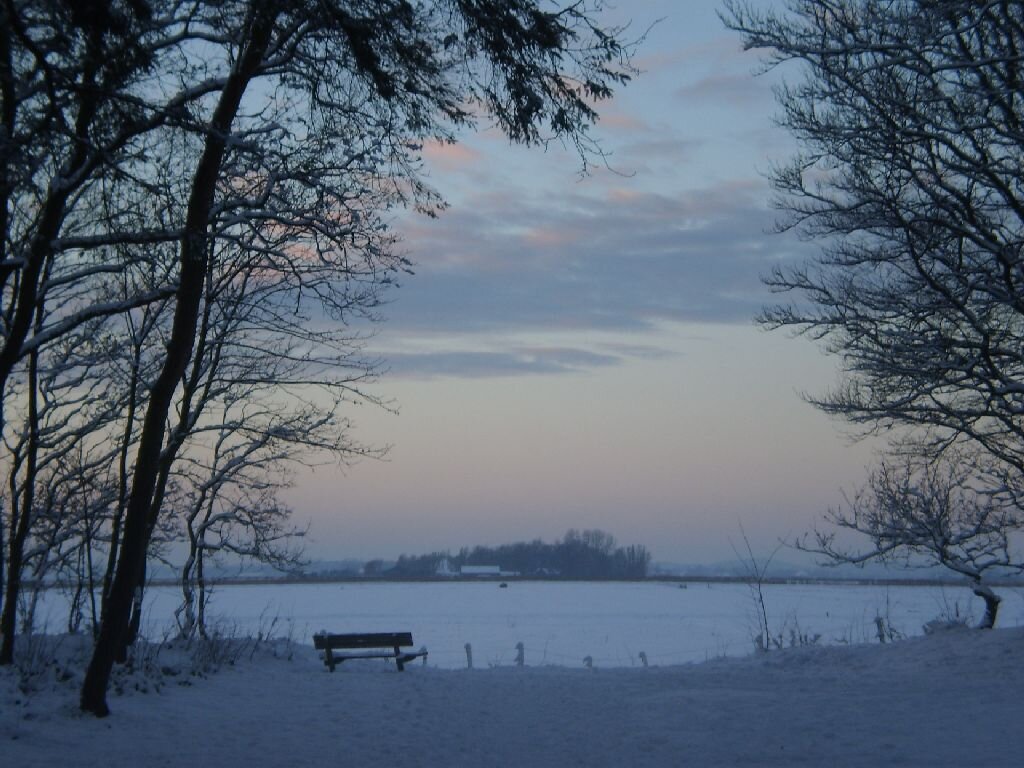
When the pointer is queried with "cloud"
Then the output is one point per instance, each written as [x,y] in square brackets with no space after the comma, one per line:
[484,364]
[729,89]
[675,230]
[720,52]
[615,119]
[636,351]
[624,260]
[449,157]
[659,150]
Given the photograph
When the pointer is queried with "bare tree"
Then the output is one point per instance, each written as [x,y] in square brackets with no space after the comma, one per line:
[72,510]
[755,572]
[72,114]
[77,128]
[265,392]
[910,116]
[59,488]
[925,513]
[344,73]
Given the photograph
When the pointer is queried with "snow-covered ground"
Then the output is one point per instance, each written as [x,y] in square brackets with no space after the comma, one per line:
[948,699]
[561,623]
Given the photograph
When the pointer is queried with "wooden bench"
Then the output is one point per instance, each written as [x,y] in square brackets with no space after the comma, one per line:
[368,646]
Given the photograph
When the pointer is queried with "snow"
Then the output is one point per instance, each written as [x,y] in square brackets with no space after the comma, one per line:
[561,623]
[947,699]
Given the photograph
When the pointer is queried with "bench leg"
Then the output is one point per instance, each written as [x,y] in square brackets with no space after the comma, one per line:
[329,659]
[399,659]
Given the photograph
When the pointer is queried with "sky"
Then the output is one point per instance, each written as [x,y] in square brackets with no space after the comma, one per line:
[580,351]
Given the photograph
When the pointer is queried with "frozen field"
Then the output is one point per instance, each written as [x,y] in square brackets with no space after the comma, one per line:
[948,700]
[561,623]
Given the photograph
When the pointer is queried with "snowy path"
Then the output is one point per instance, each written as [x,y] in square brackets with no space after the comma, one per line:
[950,700]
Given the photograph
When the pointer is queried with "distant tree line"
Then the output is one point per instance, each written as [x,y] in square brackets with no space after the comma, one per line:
[589,554]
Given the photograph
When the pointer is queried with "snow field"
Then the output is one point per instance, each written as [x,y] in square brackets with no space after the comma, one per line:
[949,699]
[560,623]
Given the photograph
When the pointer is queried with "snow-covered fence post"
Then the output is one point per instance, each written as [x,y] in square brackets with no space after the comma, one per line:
[469,656]
[643,658]
[520,654]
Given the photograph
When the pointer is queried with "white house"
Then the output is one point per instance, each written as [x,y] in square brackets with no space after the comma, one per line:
[481,570]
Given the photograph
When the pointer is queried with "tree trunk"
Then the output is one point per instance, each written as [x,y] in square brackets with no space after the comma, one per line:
[992,601]
[19,535]
[193,265]
[131,631]
[201,586]
[9,615]
[167,457]
[77,596]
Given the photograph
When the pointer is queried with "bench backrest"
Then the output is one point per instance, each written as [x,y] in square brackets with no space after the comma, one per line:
[375,640]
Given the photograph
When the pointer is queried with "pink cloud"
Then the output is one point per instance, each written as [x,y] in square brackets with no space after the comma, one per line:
[450,157]
[621,121]
[548,238]
[623,195]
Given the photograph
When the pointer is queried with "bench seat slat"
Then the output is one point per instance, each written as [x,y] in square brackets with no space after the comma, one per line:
[375,640]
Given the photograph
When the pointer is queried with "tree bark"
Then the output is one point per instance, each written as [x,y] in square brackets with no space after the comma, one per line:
[167,457]
[19,535]
[193,265]
[992,601]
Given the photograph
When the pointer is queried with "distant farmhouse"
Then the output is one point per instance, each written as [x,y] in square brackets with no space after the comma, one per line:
[481,570]
[444,568]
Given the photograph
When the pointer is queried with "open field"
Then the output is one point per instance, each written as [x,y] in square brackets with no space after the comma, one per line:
[563,622]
